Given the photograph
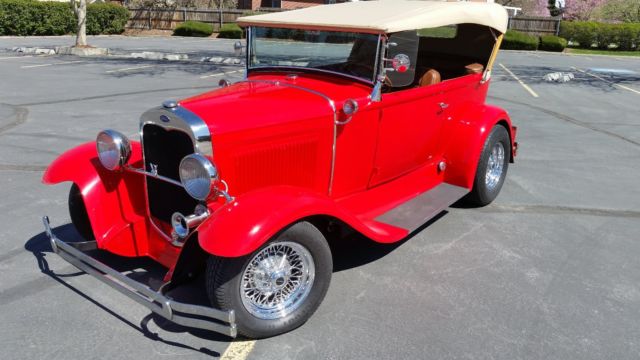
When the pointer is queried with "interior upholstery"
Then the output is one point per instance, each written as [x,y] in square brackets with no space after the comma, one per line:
[474,68]
[430,77]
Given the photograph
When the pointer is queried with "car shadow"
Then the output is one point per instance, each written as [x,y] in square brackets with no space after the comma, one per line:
[355,250]
[152,275]
[350,251]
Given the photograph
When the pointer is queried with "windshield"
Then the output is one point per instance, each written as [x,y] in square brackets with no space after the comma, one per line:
[350,54]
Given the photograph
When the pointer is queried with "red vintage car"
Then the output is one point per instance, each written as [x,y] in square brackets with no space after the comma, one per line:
[363,116]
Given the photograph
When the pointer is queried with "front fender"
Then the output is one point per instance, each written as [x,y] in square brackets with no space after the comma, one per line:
[242,226]
[464,149]
[114,199]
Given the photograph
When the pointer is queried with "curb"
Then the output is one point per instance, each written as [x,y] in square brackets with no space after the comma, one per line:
[146,55]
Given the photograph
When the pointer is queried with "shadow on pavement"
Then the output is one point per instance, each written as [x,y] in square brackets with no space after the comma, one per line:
[152,276]
[355,250]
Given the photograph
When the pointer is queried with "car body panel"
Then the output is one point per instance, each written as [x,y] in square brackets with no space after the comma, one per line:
[115,203]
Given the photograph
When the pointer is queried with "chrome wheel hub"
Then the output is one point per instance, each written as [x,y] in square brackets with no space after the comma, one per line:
[495,166]
[277,280]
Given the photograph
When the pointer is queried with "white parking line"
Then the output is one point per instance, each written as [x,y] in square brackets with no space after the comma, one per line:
[525,86]
[238,350]
[15,57]
[607,81]
[129,69]
[220,74]
[51,64]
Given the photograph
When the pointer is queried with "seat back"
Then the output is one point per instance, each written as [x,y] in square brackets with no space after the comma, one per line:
[474,68]
[430,77]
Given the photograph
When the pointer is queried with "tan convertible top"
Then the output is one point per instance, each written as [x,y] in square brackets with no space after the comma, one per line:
[386,16]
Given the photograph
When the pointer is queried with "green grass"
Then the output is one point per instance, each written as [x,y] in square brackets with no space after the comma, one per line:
[602,52]
[447,32]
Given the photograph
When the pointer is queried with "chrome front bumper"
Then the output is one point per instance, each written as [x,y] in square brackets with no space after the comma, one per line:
[195,316]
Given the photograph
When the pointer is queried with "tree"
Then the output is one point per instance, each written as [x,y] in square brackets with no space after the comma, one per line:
[582,9]
[621,10]
[80,9]
[529,7]
[554,10]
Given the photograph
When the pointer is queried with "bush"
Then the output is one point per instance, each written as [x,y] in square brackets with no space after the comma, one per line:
[515,40]
[552,43]
[30,17]
[230,31]
[193,28]
[586,34]
[106,19]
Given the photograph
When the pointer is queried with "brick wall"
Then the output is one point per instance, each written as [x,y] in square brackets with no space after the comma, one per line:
[290,4]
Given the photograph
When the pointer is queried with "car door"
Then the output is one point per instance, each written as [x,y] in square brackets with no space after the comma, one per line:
[408,132]
[411,116]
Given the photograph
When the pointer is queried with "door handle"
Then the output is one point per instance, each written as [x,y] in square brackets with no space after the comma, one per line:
[443,105]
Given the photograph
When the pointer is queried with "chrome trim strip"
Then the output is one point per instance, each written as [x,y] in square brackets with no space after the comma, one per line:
[216,320]
[332,104]
[179,118]
[153,175]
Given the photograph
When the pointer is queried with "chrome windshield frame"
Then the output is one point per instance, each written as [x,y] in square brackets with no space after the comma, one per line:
[249,52]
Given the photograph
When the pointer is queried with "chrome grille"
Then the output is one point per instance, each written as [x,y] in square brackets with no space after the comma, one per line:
[163,149]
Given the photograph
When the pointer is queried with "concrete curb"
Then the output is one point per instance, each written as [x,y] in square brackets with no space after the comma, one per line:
[145,55]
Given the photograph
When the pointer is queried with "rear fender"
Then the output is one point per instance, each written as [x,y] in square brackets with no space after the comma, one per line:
[242,226]
[468,138]
[114,200]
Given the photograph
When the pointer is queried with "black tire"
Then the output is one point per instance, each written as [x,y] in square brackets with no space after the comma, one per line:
[78,213]
[224,283]
[482,194]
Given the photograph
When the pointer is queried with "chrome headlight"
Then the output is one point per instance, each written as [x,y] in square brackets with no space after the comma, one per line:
[198,176]
[114,149]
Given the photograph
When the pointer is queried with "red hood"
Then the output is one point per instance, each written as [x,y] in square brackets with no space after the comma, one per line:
[271,99]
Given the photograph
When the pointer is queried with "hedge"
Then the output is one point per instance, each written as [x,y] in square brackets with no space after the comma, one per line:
[31,17]
[193,28]
[552,43]
[230,31]
[515,40]
[587,34]
[106,19]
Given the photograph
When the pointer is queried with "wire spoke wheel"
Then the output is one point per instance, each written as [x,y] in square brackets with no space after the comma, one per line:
[277,280]
[495,165]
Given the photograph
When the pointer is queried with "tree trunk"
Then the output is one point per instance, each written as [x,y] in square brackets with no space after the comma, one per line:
[81,13]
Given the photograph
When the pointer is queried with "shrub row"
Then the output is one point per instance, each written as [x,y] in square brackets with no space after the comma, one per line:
[552,43]
[193,28]
[587,34]
[197,28]
[31,17]
[515,40]
[230,31]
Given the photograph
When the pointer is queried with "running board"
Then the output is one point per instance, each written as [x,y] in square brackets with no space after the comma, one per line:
[417,211]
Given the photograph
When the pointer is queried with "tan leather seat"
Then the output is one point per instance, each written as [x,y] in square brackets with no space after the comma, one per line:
[474,68]
[431,77]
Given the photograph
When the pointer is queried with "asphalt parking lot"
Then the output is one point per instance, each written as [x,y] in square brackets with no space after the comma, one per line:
[550,270]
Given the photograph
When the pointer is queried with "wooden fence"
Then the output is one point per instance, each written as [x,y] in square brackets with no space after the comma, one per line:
[168,19]
[535,25]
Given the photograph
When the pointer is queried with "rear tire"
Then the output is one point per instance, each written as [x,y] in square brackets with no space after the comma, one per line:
[492,167]
[276,288]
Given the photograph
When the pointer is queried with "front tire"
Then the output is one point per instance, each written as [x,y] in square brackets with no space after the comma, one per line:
[492,167]
[276,288]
